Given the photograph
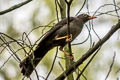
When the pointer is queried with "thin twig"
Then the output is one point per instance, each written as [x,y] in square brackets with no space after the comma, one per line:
[14,40]
[81,7]
[37,74]
[16,56]
[116,9]
[6,61]
[82,74]
[111,66]
[14,7]
[61,66]
[52,64]
[57,3]
[105,5]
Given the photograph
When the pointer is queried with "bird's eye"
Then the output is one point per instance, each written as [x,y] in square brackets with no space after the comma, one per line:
[85,15]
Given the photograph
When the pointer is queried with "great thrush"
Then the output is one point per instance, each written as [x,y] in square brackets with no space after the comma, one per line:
[56,36]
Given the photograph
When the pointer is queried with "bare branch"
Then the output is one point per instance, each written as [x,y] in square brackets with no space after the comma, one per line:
[14,7]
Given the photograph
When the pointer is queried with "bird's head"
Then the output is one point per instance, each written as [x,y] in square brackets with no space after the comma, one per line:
[85,17]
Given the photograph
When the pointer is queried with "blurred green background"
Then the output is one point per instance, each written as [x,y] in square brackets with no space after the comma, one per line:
[41,12]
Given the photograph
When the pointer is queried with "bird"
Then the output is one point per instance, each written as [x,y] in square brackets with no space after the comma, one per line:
[56,36]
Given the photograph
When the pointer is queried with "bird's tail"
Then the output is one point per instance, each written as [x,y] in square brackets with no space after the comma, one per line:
[29,63]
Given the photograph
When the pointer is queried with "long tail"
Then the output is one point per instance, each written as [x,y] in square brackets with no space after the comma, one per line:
[28,64]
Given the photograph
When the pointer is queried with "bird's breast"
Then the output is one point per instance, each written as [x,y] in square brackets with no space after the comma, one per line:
[75,29]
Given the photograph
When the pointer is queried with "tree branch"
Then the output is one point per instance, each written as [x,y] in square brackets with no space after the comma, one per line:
[89,52]
[14,7]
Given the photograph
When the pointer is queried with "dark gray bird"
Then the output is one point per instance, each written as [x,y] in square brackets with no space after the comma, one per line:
[57,36]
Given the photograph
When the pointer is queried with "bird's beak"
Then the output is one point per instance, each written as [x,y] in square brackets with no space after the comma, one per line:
[92,17]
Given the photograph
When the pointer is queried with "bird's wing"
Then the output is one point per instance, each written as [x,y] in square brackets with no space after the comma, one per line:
[55,28]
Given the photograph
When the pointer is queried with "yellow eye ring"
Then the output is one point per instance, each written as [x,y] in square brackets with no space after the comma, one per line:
[85,15]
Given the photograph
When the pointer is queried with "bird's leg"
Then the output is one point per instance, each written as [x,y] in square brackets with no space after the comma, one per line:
[68,38]
[59,38]
[66,53]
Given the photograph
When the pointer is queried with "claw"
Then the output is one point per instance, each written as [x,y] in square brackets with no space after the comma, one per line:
[68,39]
[66,53]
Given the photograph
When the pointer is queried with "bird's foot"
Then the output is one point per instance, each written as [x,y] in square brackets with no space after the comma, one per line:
[70,56]
[68,38]
[66,53]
